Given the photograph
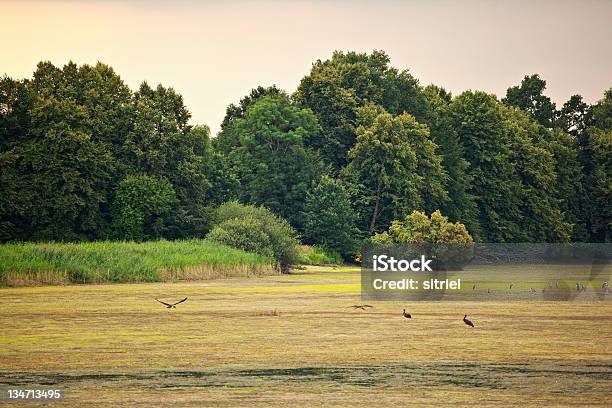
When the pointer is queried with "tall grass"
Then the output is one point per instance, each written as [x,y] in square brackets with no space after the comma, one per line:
[26,264]
[313,255]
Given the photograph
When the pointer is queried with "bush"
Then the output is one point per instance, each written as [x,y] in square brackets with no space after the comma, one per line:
[418,228]
[313,255]
[243,233]
[255,229]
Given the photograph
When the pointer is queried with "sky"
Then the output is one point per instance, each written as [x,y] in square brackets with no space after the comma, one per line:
[214,52]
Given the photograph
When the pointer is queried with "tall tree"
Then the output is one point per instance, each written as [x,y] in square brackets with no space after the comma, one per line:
[382,174]
[575,116]
[329,219]
[337,87]
[461,204]
[596,159]
[225,142]
[478,119]
[274,167]
[529,96]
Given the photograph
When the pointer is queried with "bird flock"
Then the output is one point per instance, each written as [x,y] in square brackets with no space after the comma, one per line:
[405,314]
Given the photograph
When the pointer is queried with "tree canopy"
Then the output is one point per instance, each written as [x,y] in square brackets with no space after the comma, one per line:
[358,145]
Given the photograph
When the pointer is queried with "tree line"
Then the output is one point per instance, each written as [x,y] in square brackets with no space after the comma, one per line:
[358,145]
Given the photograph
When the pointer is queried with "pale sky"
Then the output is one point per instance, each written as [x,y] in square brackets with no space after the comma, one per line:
[214,52]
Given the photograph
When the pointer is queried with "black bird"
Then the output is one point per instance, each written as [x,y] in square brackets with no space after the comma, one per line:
[362,307]
[407,315]
[468,322]
[171,305]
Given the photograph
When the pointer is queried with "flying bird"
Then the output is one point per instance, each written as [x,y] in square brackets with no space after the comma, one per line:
[407,315]
[362,307]
[171,305]
[468,322]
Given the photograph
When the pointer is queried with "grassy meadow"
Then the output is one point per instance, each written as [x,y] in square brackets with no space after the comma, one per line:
[25,264]
[293,340]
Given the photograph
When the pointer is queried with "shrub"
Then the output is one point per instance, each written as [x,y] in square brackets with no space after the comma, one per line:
[255,229]
[418,228]
[452,241]
[243,233]
[313,255]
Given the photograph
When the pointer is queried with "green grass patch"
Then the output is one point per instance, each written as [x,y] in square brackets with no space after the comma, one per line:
[313,255]
[25,264]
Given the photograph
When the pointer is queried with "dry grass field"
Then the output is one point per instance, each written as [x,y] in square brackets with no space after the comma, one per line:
[294,341]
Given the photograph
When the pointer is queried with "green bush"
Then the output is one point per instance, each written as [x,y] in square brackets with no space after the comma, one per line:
[255,229]
[244,233]
[418,228]
[313,255]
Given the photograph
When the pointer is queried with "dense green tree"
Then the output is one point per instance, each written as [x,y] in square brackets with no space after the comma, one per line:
[56,182]
[337,87]
[461,204]
[512,169]
[569,182]
[542,220]
[329,219]
[273,166]
[382,174]
[163,145]
[142,207]
[529,96]
[575,116]
[596,159]
[226,141]
[478,119]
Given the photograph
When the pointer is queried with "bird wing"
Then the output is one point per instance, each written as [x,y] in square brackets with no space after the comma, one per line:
[163,303]
[180,301]
[367,306]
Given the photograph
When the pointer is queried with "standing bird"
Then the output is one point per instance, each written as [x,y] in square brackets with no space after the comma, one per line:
[474,286]
[171,305]
[511,285]
[468,322]
[407,315]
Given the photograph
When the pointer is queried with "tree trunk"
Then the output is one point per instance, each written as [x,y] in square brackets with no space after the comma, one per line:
[375,214]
